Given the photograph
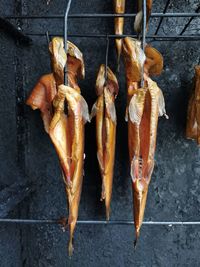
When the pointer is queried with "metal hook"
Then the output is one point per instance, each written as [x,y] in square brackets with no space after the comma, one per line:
[107,51]
[47,37]
[65,39]
[144,21]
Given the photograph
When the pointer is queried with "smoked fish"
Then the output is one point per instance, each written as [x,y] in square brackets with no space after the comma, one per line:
[144,106]
[66,129]
[106,120]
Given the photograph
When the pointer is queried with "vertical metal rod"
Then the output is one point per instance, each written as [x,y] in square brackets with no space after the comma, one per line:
[107,52]
[188,23]
[144,22]
[164,11]
[47,37]
[65,39]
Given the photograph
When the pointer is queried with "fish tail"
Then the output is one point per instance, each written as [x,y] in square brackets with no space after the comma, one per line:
[137,233]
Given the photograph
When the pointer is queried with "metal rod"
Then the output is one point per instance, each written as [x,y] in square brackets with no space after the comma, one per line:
[188,23]
[65,39]
[74,16]
[95,222]
[47,37]
[107,52]
[160,38]
[144,22]
[164,13]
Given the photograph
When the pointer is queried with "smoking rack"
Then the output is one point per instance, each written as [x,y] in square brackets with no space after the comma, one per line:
[155,37]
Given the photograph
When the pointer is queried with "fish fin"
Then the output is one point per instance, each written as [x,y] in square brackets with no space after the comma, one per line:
[112,111]
[100,160]
[135,109]
[138,21]
[126,115]
[85,111]
[161,105]
[134,172]
[93,111]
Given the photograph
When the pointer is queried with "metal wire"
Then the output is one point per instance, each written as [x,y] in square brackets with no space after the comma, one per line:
[47,37]
[107,52]
[95,222]
[76,16]
[65,39]
[159,38]
[144,22]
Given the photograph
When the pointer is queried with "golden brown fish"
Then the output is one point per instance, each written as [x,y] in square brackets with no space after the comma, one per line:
[119,8]
[143,108]
[106,121]
[193,115]
[67,134]
[66,130]
[138,18]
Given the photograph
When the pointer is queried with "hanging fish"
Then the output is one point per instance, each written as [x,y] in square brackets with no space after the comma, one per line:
[193,114]
[65,130]
[119,8]
[139,15]
[104,110]
[67,135]
[144,106]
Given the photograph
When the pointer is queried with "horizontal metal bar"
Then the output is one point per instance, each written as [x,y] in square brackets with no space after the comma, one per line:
[74,16]
[156,37]
[114,222]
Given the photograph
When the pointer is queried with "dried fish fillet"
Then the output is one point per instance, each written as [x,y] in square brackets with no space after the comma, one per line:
[144,107]
[67,135]
[65,130]
[104,110]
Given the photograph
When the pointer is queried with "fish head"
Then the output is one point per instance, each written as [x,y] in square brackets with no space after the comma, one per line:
[111,82]
[134,58]
[100,81]
[75,102]
[58,58]
[74,59]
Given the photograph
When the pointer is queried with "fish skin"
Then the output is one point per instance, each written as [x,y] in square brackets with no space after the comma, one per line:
[144,106]
[193,121]
[66,131]
[139,15]
[119,8]
[80,116]
[41,98]
[104,110]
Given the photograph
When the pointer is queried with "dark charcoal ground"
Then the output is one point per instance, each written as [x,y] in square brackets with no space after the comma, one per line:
[174,193]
